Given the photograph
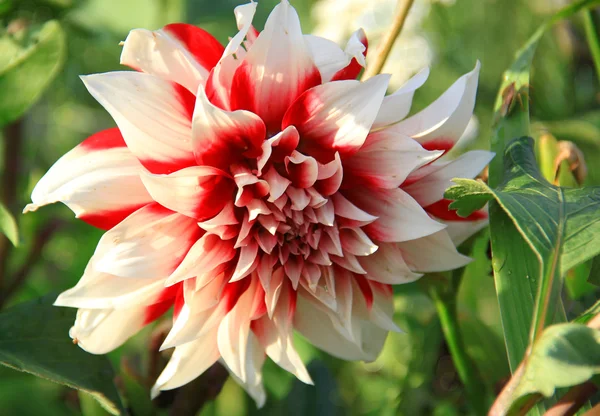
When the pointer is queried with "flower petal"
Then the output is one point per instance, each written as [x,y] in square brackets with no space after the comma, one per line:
[336,117]
[221,138]
[441,124]
[397,105]
[188,362]
[178,52]
[386,265]
[385,161]
[277,69]
[199,192]
[148,244]
[400,217]
[431,187]
[434,253]
[356,50]
[99,180]
[154,122]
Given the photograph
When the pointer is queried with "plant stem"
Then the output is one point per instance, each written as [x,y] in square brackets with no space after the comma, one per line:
[386,45]
[592,38]
[446,309]
[13,136]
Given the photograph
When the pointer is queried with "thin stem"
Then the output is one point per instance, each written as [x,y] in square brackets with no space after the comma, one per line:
[592,37]
[13,137]
[446,309]
[386,45]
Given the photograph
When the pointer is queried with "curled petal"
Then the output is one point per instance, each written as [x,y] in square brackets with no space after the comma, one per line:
[356,50]
[178,52]
[388,266]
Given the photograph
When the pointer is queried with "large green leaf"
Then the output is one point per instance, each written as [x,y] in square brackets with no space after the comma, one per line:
[560,224]
[565,355]
[34,338]
[30,60]
[516,267]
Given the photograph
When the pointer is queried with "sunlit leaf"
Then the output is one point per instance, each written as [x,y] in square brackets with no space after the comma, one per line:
[27,67]
[34,339]
[8,225]
[565,355]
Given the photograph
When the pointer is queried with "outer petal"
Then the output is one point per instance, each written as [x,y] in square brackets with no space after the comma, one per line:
[276,70]
[397,105]
[400,217]
[221,138]
[434,253]
[385,161]
[387,266]
[188,362]
[148,244]
[317,325]
[97,290]
[431,187]
[199,192]
[337,116]
[154,122]
[178,52]
[100,331]
[441,124]
[99,180]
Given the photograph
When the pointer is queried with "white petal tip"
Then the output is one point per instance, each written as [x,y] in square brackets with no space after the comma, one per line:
[154,392]
[30,208]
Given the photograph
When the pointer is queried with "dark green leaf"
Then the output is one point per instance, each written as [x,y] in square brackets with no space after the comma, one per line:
[26,70]
[34,338]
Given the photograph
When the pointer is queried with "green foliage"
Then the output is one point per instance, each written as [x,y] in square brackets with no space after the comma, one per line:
[565,355]
[30,60]
[8,225]
[33,339]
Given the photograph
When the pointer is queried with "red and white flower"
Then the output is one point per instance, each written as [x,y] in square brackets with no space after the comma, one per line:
[258,189]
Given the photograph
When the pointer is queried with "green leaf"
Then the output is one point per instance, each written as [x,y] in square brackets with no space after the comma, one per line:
[27,70]
[565,355]
[516,268]
[561,225]
[8,225]
[34,339]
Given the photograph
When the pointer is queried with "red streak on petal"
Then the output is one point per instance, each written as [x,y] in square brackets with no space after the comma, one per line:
[105,139]
[232,292]
[352,70]
[164,301]
[438,144]
[440,210]
[186,98]
[166,167]
[206,49]
[365,288]
[105,220]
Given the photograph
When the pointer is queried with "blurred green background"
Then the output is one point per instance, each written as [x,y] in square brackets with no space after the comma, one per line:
[414,375]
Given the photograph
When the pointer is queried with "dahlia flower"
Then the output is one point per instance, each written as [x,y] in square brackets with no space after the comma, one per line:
[258,189]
